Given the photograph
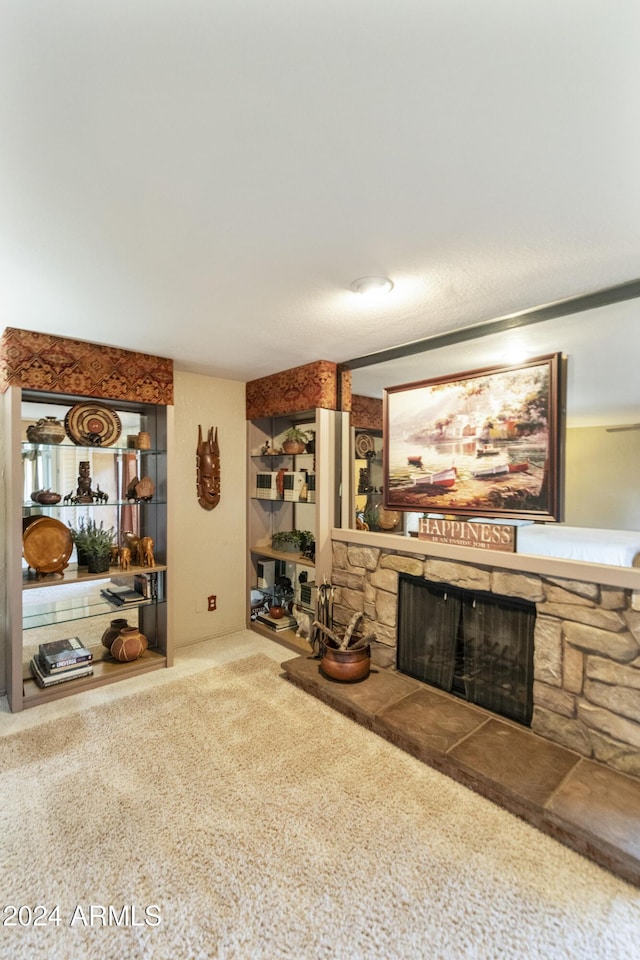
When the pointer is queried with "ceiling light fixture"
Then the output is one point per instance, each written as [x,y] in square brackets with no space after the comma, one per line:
[372,286]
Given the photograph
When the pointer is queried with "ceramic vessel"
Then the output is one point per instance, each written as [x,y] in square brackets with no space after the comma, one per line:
[46,430]
[276,612]
[128,645]
[46,497]
[346,665]
[293,446]
[112,631]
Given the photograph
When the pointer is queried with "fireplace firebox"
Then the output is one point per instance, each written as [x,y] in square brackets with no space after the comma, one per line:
[473,644]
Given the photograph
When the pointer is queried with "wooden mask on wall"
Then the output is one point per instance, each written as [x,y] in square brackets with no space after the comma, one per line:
[208,469]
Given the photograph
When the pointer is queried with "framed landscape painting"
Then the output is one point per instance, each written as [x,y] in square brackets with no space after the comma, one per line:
[482,443]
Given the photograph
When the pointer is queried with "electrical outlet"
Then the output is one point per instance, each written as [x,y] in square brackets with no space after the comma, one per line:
[211,603]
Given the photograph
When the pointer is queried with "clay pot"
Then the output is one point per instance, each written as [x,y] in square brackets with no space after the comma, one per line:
[112,631]
[293,446]
[128,645]
[346,665]
[276,611]
[46,497]
[46,430]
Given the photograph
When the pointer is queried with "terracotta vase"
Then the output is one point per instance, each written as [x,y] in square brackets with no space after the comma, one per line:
[346,665]
[112,631]
[128,645]
[276,611]
[293,446]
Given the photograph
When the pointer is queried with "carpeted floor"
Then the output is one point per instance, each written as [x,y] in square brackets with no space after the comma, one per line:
[253,821]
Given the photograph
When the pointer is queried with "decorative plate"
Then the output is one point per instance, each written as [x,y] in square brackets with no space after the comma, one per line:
[365,445]
[47,545]
[92,425]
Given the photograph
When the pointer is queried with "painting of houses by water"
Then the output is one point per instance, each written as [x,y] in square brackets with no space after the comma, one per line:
[481,443]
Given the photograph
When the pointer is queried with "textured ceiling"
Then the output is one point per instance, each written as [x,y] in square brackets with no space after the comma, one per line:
[203,180]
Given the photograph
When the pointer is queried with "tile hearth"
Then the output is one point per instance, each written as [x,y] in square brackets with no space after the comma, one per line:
[583,804]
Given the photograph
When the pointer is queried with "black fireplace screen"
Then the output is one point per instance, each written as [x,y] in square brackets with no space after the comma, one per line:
[474,644]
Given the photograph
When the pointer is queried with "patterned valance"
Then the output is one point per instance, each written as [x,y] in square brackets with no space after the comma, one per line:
[320,384]
[52,364]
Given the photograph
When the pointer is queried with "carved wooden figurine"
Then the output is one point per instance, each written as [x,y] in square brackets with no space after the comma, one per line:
[145,552]
[208,469]
[125,558]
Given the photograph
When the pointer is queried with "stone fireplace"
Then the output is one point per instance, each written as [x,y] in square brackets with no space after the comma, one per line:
[585,690]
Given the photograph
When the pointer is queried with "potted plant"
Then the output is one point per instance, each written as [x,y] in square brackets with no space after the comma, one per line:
[291,541]
[93,544]
[295,440]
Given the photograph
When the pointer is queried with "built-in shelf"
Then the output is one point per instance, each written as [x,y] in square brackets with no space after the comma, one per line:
[105,670]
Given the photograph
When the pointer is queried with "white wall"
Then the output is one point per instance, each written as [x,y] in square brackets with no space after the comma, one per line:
[209,546]
[602,478]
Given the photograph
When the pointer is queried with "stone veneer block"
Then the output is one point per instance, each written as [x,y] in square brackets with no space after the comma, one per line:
[517,585]
[583,589]
[366,557]
[386,608]
[531,768]
[603,803]
[616,755]
[591,616]
[610,723]
[632,620]
[567,731]
[409,565]
[554,699]
[384,580]
[548,651]
[555,594]
[572,669]
[618,646]
[621,700]
[616,674]
[458,574]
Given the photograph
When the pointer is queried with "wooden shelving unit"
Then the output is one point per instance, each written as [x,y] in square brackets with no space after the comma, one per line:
[42,607]
[272,512]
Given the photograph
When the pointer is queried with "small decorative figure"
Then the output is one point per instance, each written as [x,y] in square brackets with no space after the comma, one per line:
[84,493]
[303,621]
[124,557]
[141,489]
[145,552]
[100,495]
[208,469]
[115,554]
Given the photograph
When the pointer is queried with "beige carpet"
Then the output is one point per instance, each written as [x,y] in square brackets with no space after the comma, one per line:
[259,823]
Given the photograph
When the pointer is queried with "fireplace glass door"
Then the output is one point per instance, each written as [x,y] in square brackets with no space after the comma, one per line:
[473,644]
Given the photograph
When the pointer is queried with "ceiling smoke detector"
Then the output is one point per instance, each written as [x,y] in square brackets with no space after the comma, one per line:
[372,286]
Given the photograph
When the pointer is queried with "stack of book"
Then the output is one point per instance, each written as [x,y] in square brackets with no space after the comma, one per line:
[121,595]
[61,660]
[282,623]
